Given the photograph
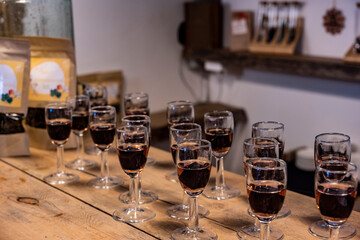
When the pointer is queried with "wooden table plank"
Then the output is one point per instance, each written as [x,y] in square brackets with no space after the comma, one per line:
[225,216]
[32,209]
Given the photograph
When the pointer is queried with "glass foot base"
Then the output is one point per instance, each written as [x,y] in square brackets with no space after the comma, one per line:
[321,230]
[221,193]
[252,232]
[145,197]
[129,215]
[172,177]
[61,178]
[105,182]
[186,233]
[81,164]
[181,212]
[92,151]
[284,212]
[150,161]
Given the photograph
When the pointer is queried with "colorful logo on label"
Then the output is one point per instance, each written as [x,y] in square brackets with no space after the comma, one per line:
[10,89]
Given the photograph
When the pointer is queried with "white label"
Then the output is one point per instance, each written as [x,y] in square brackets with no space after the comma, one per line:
[239,27]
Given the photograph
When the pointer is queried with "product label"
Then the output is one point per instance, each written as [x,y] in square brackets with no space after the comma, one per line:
[49,79]
[11,83]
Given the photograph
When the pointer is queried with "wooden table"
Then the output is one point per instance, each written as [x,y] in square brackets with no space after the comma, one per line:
[33,209]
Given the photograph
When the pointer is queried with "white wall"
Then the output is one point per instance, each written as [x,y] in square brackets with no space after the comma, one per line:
[136,36]
[139,37]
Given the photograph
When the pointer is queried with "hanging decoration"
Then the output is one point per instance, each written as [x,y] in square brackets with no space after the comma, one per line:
[334,20]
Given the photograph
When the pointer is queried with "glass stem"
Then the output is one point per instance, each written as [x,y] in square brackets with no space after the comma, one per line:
[104,164]
[193,217]
[60,159]
[81,147]
[264,230]
[334,232]
[139,185]
[134,193]
[220,179]
[257,223]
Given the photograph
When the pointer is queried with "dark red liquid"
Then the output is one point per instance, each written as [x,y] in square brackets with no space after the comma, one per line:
[102,134]
[266,198]
[143,111]
[194,175]
[59,129]
[220,139]
[132,158]
[80,121]
[333,156]
[335,201]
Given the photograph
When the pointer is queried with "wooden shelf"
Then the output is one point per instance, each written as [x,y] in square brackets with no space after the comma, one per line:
[308,66]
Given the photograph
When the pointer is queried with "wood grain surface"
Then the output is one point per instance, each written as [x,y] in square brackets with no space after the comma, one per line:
[225,217]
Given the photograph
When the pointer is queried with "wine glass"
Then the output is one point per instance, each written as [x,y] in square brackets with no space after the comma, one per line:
[180,111]
[102,129]
[132,150]
[259,147]
[219,126]
[335,192]
[145,195]
[193,162]
[137,103]
[58,125]
[272,129]
[98,97]
[266,180]
[80,121]
[331,146]
[180,133]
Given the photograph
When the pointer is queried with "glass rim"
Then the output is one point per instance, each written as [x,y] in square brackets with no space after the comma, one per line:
[103,109]
[145,118]
[124,128]
[174,126]
[322,169]
[225,112]
[138,95]
[58,105]
[281,161]
[247,141]
[346,137]
[280,125]
[180,102]
[204,143]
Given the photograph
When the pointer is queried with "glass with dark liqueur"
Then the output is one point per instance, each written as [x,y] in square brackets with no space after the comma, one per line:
[146,196]
[80,121]
[335,192]
[272,129]
[102,130]
[332,146]
[132,150]
[58,125]
[259,147]
[180,133]
[266,181]
[219,127]
[180,111]
[193,171]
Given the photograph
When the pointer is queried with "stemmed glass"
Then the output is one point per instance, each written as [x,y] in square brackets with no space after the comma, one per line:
[332,146]
[272,129]
[266,181]
[180,111]
[58,125]
[80,121]
[335,193]
[132,150]
[145,195]
[193,162]
[219,126]
[259,147]
[180,133]
[98,97]
[102,129]
[137,103]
